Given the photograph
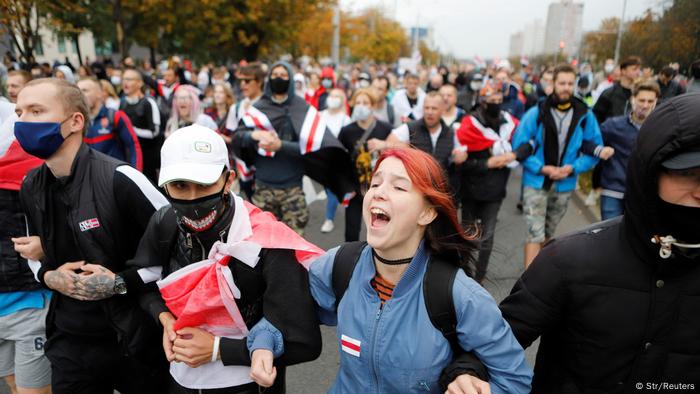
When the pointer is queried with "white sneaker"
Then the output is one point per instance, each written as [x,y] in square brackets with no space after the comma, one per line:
[591,199]
[327,226]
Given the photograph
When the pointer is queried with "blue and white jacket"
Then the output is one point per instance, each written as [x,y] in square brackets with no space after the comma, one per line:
[530,130]
[396,349]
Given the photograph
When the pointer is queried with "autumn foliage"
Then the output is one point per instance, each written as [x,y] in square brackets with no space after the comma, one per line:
[211,30]
[658,38]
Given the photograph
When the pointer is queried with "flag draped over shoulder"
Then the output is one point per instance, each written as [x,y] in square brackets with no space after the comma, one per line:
[325,159]
[203,294]
[477,137]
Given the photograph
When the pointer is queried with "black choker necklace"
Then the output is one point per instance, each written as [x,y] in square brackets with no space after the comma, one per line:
[391,262]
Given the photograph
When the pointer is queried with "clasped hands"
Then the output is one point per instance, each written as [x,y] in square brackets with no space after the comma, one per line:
[557,173]
[93,282]
[195,347]
[267,140]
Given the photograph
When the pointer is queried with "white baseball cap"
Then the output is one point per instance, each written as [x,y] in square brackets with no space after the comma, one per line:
[194,153]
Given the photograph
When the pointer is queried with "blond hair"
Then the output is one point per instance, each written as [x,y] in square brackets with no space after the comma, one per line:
[369,92]
[230,98]
[107,87]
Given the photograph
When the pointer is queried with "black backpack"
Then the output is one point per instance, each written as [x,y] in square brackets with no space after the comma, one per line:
[437,289]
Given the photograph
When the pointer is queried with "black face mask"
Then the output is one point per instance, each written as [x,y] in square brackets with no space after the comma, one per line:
[201,214]
[680,221]
[279,85]
[493,110]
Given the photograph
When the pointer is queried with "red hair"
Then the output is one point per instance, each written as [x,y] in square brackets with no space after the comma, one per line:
[444,235]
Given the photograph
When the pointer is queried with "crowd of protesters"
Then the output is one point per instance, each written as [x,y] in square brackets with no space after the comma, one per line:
[119,182]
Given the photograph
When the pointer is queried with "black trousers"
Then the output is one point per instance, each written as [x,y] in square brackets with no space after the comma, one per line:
[597,175]
[483,215]
[353,219]
[85,365]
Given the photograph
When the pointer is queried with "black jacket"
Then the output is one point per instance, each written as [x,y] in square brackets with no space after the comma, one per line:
[15,274]
[442,151]
[106,232]
[480,183]
[670,90]
[277,288]
[609,310]
[614,101]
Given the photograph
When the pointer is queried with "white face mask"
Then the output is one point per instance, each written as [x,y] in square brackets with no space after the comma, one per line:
[609,68]
[364,83]
[361,112]
[333,102]
[116,80]
[475,86]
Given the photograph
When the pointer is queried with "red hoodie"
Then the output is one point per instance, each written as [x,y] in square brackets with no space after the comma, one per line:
[315,98]
[15,163]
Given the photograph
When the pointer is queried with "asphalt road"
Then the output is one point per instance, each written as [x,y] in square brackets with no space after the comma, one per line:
[505,267]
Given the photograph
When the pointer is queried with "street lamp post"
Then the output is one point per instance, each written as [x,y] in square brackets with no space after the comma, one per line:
[335,49]
[619,32]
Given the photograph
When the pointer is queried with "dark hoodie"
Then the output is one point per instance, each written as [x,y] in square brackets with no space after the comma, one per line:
[610,311]
[329,164]
[285,169]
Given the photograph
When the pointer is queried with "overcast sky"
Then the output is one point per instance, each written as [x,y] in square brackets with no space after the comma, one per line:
[467,28]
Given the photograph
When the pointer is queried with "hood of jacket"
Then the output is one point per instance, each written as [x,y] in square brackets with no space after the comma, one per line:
[290,90]
[328,72]
[671,128]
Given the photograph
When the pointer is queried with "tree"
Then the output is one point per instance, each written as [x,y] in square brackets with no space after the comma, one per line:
[315,35]
[21,20]
[671,36]
[74,17]
[369,35]
[641,38]
[679,29]
[428,56]
[600,44]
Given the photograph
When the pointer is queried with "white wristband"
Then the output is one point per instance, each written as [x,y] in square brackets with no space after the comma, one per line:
[215,349]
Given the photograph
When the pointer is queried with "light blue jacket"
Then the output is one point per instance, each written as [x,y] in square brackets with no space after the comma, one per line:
[530,130]
[400,351]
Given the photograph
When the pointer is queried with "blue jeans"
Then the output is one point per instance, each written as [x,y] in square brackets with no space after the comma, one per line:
[331,205]
[610,207]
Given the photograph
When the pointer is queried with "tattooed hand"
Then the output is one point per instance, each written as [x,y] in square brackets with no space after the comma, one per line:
[64,279]
[95,283]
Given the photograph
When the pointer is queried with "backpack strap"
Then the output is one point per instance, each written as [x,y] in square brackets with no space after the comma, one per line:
[343,266]
[390,113]
[437,291]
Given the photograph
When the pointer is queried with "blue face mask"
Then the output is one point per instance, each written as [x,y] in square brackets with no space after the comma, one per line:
[40,139]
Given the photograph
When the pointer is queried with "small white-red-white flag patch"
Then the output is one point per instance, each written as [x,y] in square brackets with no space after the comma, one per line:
[89,224]
[350,345]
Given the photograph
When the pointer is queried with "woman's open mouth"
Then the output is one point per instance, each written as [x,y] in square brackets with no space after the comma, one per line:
[379,217]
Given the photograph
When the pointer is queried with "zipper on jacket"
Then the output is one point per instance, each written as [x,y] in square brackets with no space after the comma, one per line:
[201,247]
[374,343]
